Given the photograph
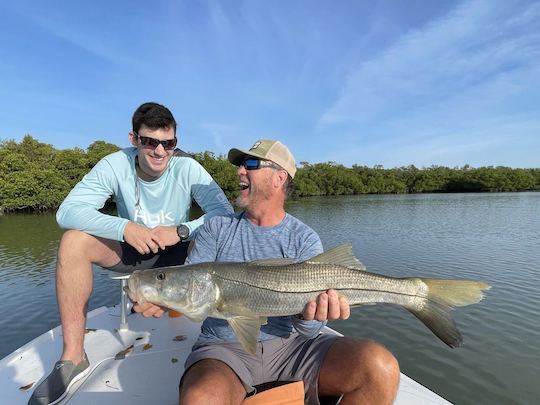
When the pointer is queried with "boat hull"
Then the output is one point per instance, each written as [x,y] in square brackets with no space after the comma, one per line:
[125,363]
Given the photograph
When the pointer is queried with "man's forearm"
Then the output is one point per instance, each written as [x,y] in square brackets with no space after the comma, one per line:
[90,220]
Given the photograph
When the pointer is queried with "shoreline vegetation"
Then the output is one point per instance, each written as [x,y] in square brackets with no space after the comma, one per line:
[36,177]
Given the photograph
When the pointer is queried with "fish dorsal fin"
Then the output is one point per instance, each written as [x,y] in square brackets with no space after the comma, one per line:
[341,255]
[273,262]
[247,330]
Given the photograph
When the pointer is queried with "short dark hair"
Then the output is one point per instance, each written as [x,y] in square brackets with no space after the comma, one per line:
[154,116]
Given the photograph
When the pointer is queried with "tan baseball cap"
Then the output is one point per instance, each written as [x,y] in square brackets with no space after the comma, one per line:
[266,149]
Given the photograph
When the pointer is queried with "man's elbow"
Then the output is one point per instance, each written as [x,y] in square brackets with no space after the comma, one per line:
[63,217]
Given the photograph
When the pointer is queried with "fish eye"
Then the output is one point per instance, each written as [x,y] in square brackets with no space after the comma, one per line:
[160,276]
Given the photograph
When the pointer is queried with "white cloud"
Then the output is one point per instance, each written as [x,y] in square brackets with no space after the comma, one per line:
[472,45]
[463,89]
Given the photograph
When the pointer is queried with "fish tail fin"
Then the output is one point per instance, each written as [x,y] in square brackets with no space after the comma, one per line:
[442,297]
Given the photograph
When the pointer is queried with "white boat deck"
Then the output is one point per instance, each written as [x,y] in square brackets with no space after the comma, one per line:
[148,373]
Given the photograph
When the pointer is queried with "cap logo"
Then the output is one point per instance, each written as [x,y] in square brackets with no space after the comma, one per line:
[255,145]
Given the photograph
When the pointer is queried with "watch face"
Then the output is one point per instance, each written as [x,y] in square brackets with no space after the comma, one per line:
[182,231]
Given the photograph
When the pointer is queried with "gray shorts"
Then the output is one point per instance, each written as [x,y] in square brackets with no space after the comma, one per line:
[282,359]
[132,260]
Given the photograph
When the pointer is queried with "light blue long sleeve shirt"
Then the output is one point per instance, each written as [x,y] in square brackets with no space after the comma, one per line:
[165,201]
[234,238]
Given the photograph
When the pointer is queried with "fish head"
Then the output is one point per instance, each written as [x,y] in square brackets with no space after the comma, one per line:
[184,288]
[143,286]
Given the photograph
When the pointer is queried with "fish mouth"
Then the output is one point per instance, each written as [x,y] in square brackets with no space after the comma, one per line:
[131,288]
[141,292]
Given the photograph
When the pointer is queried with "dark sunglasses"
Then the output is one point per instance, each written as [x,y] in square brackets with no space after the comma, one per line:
[154,143]
[254,164]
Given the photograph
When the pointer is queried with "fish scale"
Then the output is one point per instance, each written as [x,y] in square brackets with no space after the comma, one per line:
[254,287]
[309,277]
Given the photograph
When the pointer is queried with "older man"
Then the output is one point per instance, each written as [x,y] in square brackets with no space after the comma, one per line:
[219,371]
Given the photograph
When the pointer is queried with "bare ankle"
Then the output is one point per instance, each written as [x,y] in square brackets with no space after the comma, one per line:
[75,356]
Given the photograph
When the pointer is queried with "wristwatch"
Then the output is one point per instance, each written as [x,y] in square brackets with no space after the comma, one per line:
[182,231]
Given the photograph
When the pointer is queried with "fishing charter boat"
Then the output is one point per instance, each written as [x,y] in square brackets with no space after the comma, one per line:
[138,360]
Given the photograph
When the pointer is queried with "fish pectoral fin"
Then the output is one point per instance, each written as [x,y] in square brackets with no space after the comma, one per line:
[247,330]
[341,255]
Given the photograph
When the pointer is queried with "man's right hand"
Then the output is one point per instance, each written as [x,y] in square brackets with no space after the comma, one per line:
[328,305]
[148,309]
[141,238]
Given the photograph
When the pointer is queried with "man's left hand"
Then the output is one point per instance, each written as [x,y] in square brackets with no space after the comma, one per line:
[148,309]
[165,236]
[327,306]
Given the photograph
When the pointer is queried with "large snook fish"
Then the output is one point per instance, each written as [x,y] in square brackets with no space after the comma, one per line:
[245,294]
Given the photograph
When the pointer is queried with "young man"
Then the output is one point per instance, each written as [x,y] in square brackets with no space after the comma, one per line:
[153,189]
[219,371]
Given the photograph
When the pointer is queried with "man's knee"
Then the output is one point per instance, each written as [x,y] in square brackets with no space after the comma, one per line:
[368,363]
[83,247]
[383,365]
[210,381]
[374,373]
[75,237]
[73,243]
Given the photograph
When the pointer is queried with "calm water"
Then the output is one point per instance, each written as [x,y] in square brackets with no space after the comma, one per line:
[491,237]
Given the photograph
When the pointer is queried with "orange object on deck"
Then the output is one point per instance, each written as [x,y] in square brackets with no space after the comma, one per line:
[174,314]
[286,394]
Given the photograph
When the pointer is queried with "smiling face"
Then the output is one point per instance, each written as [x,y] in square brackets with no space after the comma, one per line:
[152,160]
[261,187]
[255,186]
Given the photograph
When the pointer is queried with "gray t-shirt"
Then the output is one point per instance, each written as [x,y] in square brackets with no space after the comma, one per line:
[234,238]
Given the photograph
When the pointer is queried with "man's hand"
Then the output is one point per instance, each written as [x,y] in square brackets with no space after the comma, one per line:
[165,236]
[141,238]
[147,240]
[327,306]
[148,309]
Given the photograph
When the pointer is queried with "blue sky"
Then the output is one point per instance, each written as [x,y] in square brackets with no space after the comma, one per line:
[357,82]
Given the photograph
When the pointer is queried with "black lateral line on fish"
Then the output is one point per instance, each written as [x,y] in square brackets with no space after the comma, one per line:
[331,288]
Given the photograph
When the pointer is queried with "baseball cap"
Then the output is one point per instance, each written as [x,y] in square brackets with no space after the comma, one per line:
[266,149]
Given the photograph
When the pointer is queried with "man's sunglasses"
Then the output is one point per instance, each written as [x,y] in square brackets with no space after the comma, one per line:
[154,143]
[254,164]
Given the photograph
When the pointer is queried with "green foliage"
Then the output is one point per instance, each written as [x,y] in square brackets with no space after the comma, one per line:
[35,176]
[221,170]
[327,179]
[98,150]
[72,163]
